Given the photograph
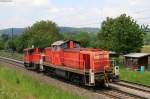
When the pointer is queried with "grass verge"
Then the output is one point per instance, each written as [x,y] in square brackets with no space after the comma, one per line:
[135,76]
[18,85]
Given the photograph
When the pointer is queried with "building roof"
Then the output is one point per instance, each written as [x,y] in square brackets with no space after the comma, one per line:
[137,55]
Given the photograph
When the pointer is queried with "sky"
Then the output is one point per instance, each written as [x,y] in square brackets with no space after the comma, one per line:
[72,13]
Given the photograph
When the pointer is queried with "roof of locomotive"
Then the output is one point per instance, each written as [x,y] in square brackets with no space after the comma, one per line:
[63,42]
[57,43]
[82,49]
[27,49]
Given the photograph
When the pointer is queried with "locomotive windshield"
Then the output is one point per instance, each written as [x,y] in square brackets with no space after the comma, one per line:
[76,45]
[70,44]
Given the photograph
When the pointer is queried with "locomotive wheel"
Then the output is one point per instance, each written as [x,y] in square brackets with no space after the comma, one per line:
[76,78]
[27,65]
[35,67]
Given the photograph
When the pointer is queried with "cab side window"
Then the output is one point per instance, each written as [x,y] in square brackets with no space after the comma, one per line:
[64,46]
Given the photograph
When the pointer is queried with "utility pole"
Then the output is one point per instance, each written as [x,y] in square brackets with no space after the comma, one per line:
[12,33]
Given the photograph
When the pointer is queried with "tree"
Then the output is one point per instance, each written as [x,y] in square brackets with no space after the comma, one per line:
[147,39]
[147,35]
[121,34]
[40,34]
[3,39]
[84,38]
[1,44]
[105,33]
[10,44]
[68,36]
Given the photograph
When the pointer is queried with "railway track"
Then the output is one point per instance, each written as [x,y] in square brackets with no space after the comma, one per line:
[135,86]
[134,83]
[116,90]
[116,94]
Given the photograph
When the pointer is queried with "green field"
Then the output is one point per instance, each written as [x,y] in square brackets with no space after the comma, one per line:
[11,55]
[135,76]
[18,85]
[146,49]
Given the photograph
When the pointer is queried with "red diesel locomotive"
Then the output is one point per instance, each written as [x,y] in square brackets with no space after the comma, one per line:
[66,58]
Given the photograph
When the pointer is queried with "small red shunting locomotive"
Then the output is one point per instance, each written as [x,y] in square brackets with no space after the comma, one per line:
[66,58]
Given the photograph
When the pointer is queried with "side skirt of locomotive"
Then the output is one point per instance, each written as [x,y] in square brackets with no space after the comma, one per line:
[86,77]
[82,79]
[32,66]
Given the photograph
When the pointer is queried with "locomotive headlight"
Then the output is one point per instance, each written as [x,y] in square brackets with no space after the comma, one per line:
[116,70]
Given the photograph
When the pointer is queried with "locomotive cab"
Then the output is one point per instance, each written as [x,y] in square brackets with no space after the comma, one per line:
[71,44]
[58,45]
[31,57]
[28,57]
[58,48]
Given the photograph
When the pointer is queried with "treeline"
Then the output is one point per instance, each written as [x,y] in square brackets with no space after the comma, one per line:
[121,34]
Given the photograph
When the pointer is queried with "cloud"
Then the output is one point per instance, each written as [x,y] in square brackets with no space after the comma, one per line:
[41,2]
[25,12]
[136,2]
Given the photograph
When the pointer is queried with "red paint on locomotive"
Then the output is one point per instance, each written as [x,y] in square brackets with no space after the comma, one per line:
[32,55]
[70,60]
[77,58]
